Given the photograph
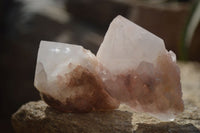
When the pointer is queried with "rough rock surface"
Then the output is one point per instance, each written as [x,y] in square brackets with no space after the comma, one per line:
[38,117]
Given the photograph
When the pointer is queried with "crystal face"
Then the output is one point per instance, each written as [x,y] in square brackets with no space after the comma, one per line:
[132,67]
[139,71]
[126,44]
[67,79]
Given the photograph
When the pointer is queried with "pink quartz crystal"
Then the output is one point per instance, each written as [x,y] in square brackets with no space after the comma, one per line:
[139,71]
[67,79]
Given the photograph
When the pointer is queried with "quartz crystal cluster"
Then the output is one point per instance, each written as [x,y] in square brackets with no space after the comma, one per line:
[132,67]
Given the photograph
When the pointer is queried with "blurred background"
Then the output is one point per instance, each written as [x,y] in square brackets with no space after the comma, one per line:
[23,23]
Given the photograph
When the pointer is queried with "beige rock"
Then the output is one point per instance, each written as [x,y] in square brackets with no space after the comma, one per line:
[37,117]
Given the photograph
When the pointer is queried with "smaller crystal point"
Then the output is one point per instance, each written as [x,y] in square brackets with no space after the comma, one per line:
[139,71]
[67,79]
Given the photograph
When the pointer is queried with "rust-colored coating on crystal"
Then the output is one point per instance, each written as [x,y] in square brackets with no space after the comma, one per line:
[90,93]
[148,88]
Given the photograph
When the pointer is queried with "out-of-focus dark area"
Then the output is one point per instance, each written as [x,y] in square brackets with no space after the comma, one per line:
[24,23]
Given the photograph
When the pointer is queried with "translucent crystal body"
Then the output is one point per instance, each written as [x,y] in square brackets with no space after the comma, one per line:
[139,71]
[67,79]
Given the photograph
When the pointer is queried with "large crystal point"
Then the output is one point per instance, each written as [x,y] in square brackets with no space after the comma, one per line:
[67,79]
[139,71]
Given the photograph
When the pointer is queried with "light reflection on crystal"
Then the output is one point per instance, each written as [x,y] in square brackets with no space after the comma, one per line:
[56,50]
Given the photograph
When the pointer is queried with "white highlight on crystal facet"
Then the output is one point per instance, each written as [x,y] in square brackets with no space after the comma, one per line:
[173,56]
[55,50]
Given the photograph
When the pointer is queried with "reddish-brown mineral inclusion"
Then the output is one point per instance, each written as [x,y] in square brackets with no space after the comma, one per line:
[90,93]
[150,89]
